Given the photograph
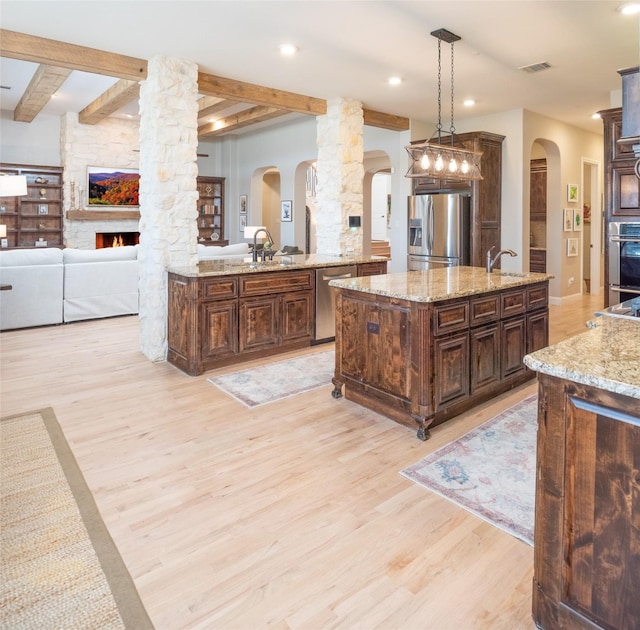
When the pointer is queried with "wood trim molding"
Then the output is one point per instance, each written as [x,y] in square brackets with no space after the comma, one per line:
[102,215]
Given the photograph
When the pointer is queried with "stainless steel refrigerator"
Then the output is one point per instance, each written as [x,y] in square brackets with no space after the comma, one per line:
[439,230]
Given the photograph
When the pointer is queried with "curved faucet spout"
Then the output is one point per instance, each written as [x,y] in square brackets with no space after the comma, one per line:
[254,254]
[491,262]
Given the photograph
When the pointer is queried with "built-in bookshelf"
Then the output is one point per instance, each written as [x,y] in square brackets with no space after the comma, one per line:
[211,211]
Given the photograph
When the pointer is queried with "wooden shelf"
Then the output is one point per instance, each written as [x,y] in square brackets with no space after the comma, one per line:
[102,215]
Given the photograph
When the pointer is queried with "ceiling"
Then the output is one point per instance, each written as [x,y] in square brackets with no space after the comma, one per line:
[350,49]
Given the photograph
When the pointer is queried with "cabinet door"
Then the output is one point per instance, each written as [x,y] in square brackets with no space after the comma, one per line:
[451,366]
[485,357]
[258,323]
[296,316]
[376,350]
[512,346]
[219,332]
[537,331]
[626,191]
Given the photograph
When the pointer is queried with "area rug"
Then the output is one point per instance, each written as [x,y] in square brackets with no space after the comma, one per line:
[274,381]
[59,567]
[489,471]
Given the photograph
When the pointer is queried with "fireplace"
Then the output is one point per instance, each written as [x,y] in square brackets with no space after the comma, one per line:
[116,239]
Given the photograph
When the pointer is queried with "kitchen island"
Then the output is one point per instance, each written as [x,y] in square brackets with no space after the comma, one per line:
[226,311]
[423,346]
[587,524]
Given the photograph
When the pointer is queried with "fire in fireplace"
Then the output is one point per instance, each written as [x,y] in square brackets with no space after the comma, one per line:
[116,239]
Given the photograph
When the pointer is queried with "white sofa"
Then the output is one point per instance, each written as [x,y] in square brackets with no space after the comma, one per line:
[216,252]
[36,280]
[52,286]
[100,282]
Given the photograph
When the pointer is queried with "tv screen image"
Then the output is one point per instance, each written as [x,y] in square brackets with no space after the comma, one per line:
[113,186]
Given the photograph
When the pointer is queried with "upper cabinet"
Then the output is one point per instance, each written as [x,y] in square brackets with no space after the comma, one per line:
[34,220]
[211,211]
[621,186]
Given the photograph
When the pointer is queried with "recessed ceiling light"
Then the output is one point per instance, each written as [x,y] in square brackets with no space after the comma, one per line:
[288,50]
[468,102]
[631,8]
[394,80]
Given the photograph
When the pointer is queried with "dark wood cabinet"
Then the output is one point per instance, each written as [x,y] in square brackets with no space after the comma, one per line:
[587,539]
[538,190]
[34,220]
[421,363]
[211,212]
[538,260]
[372,268]
[486,194]
[219,320]
[621,185]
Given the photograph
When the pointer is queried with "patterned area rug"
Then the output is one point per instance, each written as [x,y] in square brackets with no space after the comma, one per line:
[274,381]
[490,471]
[59,567]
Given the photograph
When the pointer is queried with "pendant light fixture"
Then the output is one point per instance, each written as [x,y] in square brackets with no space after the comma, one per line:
[433,159]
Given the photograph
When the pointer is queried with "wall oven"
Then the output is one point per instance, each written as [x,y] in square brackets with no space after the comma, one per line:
[624,261]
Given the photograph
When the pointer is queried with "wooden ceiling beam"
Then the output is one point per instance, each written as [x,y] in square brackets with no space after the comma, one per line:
[242,119]
[241,92]
[210,105]
[385,121]
[43,85]
[116,97]
[49,51]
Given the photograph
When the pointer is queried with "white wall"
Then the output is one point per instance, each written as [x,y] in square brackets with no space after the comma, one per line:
[36,143]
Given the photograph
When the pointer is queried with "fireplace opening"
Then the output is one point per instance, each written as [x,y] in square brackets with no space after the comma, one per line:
[116,239]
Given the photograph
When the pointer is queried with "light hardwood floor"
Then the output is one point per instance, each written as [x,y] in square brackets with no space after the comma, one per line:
[290,515]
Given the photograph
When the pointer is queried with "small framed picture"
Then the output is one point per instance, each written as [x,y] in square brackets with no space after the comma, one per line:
[568,219]
[243,222]
[43,208]
[286,208]
[577,219]
[243,204]
[572,247]
[572,193]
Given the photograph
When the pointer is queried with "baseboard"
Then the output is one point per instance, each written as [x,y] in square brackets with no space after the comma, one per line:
[567,299]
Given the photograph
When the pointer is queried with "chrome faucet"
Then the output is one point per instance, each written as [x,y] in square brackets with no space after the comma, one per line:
[491,263]
[254,254]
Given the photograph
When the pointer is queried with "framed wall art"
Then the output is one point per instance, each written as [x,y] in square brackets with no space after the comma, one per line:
[286,211]
[577,219]
[243,204]
[243,222]
[568,219]
[572,193]
[572,247]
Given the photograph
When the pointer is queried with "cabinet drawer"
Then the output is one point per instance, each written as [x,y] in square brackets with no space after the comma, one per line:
[537,296]
[513,303]
[267,283]
[219,288]
[485,309]
[450,317]
[372,269]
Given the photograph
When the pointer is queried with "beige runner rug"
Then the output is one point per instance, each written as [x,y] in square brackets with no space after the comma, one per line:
[59,567]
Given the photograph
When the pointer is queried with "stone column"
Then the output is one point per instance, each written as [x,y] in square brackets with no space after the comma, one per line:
[340,178]
[168,191]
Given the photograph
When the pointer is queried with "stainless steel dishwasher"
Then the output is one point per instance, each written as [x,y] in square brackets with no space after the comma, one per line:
[326,299]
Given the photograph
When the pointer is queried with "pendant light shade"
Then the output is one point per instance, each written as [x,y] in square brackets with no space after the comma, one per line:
[443,161]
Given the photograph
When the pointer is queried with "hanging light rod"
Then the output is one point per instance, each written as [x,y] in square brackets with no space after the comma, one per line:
[432,158]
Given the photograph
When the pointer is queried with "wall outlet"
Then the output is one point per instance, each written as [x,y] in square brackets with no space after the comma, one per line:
[4,242]
[571,280]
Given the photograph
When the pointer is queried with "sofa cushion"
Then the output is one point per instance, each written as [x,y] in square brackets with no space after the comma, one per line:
[27,257]
[72,256]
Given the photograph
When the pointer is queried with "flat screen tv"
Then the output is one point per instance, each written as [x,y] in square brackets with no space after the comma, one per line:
[113,186]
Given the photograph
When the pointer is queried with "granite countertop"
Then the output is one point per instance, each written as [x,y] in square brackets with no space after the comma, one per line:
[233,266]
[606,356]
[435,285]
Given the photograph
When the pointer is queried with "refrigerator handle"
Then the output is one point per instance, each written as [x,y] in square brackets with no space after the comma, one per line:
[431,227]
